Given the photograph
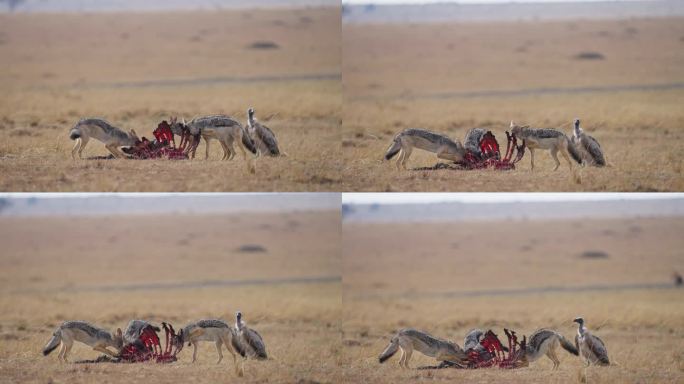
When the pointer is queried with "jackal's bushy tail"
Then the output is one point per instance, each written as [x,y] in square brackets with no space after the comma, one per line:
[248,142]
[393,149]
[53,343]
[567,345]
[391,349]
[574,152]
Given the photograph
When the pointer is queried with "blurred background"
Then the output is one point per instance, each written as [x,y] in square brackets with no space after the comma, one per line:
[178,258]
[447,263]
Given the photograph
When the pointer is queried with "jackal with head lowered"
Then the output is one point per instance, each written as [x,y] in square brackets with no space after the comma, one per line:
[83,332]
[217,331]
[544,342]
[406,140]
[408,340]
[99,129]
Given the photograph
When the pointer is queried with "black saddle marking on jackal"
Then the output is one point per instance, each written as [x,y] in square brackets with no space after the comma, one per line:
[212,323]
[546,133]
[105,126]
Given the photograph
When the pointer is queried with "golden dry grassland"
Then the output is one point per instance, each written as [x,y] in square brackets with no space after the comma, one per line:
[440,278]
[88,268]
[136,69]
[452,77]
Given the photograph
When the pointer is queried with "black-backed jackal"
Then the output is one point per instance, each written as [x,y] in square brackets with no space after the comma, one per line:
[99,129]
[217,331]
[546,139]
[85,333]
[409,340]
[406,140]
[544,342]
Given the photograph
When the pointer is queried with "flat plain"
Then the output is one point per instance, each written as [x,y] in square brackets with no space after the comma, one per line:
[137,69]
[175,269]
[447,278]
[622,78]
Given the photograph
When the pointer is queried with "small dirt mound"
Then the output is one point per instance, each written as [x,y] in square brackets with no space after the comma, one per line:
[594,255]
[589,56]
[252,248]
[263,45]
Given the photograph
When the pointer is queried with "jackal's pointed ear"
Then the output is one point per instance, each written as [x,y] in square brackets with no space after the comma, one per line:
[184,121]
[512,125]
[119,333]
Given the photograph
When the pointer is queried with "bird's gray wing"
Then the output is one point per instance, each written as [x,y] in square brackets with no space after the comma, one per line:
[591,138]
[268,137]
[592,146]
[237,345]
[597,348]
[254,340]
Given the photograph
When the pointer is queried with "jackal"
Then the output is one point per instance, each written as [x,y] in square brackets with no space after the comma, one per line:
[410,339]
[589,148]
[547,139]
[112,137]
[85,333]
[223,128]
[405,141]
[545,342]
[217,331]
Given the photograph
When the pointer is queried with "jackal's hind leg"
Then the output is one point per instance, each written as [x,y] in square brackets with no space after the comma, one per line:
[399,158]
[218,349]
[554,154]
[408,358]
[227,153]
[551,354]
[242,148]
[402,358]
[566,155]
[406,154]
[532,157]
[62,349]
[77,144]
[66,352]
[231,149]
[206,155]
[83,140]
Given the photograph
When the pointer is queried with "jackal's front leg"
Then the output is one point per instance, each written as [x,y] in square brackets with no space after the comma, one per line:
[218,349]
[104,350]
[194,351]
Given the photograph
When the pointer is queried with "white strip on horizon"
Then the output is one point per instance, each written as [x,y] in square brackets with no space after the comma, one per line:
[419,2]
[413,198]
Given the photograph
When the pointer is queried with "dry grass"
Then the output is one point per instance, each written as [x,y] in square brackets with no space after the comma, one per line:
[86,277]
[137,69]
[420,75]
[398,275]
